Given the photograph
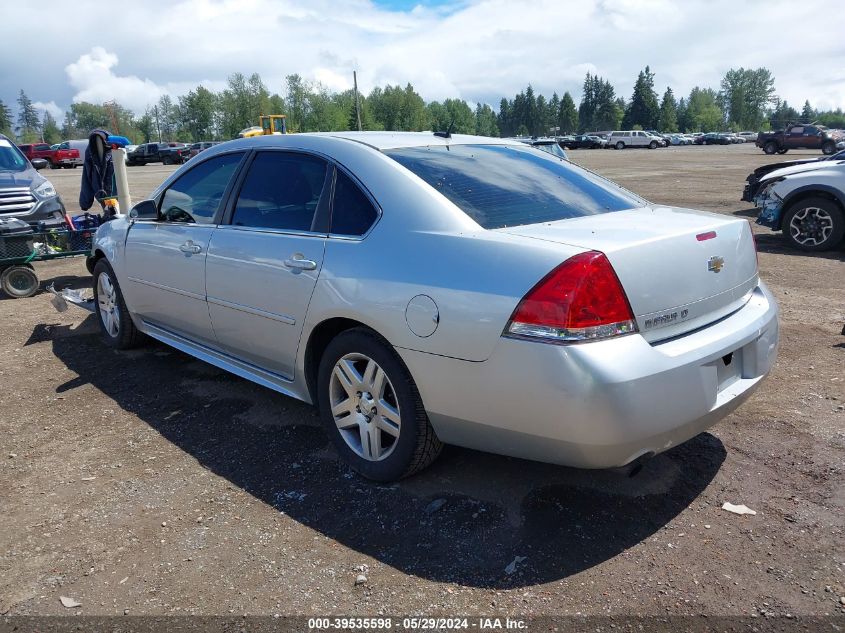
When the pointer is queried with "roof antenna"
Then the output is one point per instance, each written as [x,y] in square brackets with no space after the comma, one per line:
[448,132]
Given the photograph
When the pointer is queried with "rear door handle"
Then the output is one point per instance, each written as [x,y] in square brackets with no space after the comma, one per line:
[297,261]
[190,247]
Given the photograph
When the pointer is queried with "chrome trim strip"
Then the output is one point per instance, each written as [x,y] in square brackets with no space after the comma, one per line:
[276,382]
[253,229]
[178,291]
[282,318]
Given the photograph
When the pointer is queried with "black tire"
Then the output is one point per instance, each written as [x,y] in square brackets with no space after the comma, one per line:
[167,161]
[52,165]
[19,282]
[620,145]
[783,150]
[417,444]
[127,335]
[652,145]
[828,148]
[825,206]
[770,147]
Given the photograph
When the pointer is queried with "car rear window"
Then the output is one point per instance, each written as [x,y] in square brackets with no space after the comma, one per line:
[503,185]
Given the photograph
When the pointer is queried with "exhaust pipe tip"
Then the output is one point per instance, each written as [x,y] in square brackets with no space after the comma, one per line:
[635,466]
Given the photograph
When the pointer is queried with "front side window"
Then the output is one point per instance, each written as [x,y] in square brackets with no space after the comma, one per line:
[196,195]
[281,191]
[352,211]
[503,185]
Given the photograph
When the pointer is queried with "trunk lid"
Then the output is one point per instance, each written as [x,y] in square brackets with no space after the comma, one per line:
[681,269]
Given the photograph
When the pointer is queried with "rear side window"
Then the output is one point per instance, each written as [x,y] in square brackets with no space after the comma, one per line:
[195,197]
[352,211]
[499,186]
[281,191]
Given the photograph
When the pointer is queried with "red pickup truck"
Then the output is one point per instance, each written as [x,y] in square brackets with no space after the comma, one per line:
[62,156]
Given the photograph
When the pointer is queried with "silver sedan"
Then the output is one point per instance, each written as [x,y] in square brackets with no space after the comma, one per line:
[423,289]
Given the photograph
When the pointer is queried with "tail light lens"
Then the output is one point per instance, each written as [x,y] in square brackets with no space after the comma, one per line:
[580,300]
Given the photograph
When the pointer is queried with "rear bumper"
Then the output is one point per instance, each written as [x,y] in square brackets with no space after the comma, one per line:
[604,404]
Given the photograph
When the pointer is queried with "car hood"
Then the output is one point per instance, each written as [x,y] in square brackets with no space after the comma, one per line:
[26,178]
[799,169]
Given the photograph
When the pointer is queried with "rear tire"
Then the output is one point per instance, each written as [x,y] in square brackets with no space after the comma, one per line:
[814,224]
[371,408]
[620,145]
[19,282]
[116,326]
[770,147]
[167,161]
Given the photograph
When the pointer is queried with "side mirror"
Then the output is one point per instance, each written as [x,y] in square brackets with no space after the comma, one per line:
[39,163]
[144,210]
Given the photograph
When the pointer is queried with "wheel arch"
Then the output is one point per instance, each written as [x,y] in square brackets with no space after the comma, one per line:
[812,191]
[318,340]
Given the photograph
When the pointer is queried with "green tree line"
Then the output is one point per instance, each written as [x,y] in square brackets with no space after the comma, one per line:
[745,100]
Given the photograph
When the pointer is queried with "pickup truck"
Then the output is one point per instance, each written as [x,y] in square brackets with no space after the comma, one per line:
[58,157]
[166,153]
[800,136]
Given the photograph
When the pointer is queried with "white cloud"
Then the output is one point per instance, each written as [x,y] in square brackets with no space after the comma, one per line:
[479,50]
[55,111]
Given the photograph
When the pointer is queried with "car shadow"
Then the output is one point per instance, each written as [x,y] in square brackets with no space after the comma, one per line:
[472,518]
[776,243]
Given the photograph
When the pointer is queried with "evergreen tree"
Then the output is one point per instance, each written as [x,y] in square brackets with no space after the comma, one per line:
[5,120]
[643,110]
[485,121]
[668,120]
[808,115]
[567,117]
[50,132]
[28,120]
[587,108]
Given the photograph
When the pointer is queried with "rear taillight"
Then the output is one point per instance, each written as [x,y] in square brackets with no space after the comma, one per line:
[580,300]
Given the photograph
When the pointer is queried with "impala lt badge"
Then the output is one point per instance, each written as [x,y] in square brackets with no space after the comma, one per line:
[715,264]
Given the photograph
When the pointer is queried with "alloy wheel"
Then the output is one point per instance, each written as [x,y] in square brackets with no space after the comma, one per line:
[107,305]
[364,406]
[811,226]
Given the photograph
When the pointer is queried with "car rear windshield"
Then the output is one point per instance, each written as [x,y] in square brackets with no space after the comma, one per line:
[504,185]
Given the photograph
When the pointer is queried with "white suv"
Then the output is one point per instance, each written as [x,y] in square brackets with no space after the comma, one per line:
[632,138]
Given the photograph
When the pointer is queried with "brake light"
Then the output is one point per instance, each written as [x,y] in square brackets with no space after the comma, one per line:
[580,300]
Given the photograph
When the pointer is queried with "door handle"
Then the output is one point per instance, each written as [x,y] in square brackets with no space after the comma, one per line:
[297,261]
[190,247]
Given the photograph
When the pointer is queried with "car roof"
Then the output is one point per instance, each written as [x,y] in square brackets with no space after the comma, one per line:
[393,140]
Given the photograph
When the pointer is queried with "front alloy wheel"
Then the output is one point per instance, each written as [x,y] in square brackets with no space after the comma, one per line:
[107,305]
[814,224]
[115,323]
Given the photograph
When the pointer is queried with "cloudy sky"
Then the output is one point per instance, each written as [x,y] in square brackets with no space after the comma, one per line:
[61,51]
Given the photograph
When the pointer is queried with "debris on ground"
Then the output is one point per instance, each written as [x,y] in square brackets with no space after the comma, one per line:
[70,603]
[434,506]
[360,579]
[740,509]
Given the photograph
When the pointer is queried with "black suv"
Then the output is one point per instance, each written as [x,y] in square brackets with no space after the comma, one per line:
[24,193]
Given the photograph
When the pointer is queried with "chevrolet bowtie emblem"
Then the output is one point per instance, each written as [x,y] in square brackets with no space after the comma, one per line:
[715,264]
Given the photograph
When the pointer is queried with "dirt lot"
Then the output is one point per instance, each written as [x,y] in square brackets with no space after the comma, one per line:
[146,482]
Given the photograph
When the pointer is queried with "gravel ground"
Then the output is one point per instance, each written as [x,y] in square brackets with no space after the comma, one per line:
[147,482]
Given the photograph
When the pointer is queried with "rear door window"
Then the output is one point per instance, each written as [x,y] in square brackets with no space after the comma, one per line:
[282,190]
[504,185]
[352,212]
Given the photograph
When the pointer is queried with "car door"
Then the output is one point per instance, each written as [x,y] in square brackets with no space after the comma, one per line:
[795,138]
[166,258]
[263,263]
[812,137]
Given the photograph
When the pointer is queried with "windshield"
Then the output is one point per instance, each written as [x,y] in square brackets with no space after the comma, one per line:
[553,149]
[10,158]
[505,185]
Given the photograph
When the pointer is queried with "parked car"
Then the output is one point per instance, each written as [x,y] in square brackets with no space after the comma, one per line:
[679,139]
[165,153]
[24,193]
[713,138]
[749,137]
[196,148]
[586,141]
[56,157]
[806,202]
[128,149]
[431,290]
[632,138]
[752,182]
[800,136]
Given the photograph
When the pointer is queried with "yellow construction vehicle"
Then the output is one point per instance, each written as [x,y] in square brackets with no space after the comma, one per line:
[270,124]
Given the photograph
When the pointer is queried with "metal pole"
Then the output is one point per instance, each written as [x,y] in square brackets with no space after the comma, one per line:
[357,105]
[124,200]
